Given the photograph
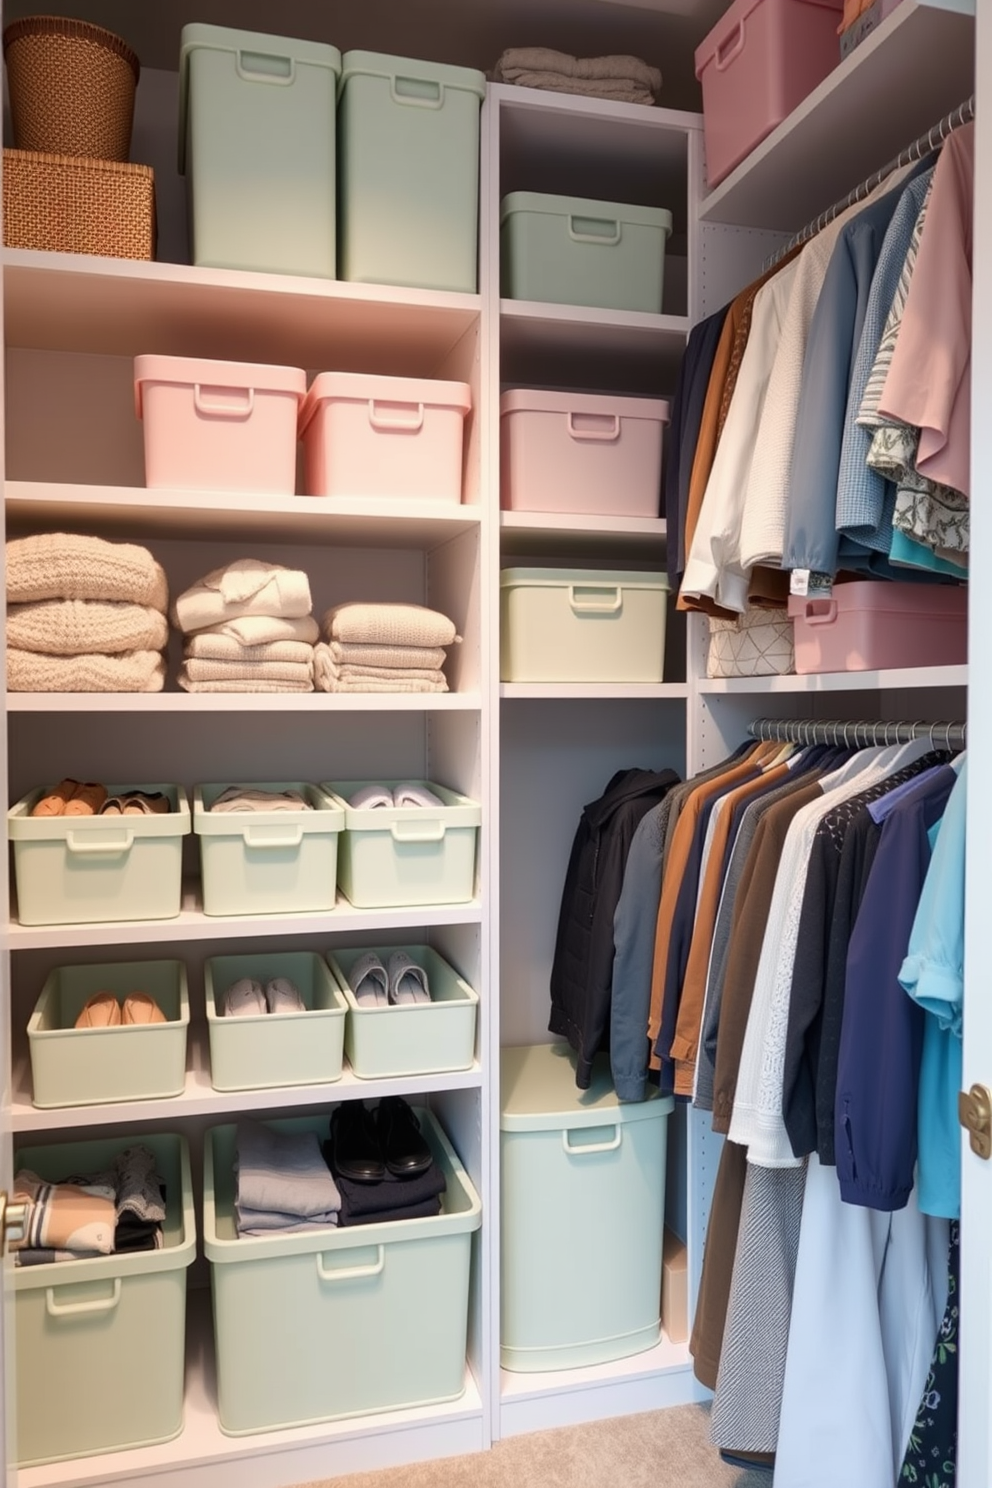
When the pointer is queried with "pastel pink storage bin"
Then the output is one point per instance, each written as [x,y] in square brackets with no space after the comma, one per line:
[758,64]
[866,625]
[366,435]
[581,453]
[218,426]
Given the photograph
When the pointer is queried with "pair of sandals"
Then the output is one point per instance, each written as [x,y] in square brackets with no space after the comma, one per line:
[400,983]
[247,998]
[366,1146]
[104,1011]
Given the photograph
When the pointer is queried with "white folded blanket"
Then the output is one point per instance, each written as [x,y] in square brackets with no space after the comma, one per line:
[188,685]
[329,677]
[388,625]
[248,671]
[132,671]
[353,653]
[207,645]
[63,565]
[263,630]
[245,587]
[617,67]
[75,627]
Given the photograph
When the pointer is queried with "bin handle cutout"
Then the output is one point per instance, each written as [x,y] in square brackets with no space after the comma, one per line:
[409,417]
[414,832]
[594,230]
[83,848]
[292,838]
[420,92]
[730,48]
[820,612]
[79,1309]
[243,408]
[353,1273]
[581,1151]
[588,606]
[605,426]
[263,67]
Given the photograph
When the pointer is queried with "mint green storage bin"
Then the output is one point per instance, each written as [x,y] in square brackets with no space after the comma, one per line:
[415,1038]
[252,1052]
[267,862]
[582,1179]
[571,251]
[377,1314]
[257,145]
[73,870]
[393,857]
[95,1066]
[99,1344]
[408,157]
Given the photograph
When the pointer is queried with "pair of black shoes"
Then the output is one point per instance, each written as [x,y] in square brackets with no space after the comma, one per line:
[367,1145]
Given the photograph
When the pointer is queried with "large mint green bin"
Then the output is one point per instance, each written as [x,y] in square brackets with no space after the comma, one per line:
[582,1214]
[408,161]
[257,145]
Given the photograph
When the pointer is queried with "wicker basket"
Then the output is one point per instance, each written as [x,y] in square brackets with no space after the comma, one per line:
[71,87]
[71,205]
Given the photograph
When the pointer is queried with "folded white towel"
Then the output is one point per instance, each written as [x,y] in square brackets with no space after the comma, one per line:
[77,627]
[132,671]
[207,645]
[63,565]
[412,793]
[245,587]
[248,671]
[389,625]
[370,796]
[353,653]
[621,67]
[616,90]
[188,685]
[261,630]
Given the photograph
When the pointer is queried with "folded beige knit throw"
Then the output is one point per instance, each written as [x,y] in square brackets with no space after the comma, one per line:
[189,686]
[388,625]
[208,646]
[245,587]
[248,671]
[133,671]
[330,676]
[625,79]
[261,630]
[353,653]
[63,565]
[75,627]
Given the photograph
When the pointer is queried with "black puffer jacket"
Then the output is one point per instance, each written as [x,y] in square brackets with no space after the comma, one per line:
[581,977]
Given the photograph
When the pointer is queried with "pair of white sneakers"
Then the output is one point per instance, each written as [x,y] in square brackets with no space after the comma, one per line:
[397,983]
[246,998]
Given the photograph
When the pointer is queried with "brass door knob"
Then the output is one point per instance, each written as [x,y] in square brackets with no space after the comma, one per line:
[13,1219]
[975,1115]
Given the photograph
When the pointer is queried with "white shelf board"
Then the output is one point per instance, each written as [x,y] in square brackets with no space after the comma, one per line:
[557,344]
[534,533]
[122,307]
[902,677]
[554,690]
[208,515]
[243,702]
[192,924]
[842,132]
[559,115]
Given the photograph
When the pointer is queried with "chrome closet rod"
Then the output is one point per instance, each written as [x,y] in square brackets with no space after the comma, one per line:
[918,150]
[861,734]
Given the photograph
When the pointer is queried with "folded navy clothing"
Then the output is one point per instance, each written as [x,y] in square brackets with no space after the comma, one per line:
[389,1192]
[426,1210]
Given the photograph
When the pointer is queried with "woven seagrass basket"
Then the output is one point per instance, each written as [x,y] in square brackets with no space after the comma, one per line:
[69,204]
[71,87]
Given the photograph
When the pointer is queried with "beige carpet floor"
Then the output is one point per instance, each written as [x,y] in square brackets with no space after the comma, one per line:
[660,1449]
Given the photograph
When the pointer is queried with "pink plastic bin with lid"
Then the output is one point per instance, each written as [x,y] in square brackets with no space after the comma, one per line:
[866,626]
[218,426]
[582,453]
[758,64]
[365,435]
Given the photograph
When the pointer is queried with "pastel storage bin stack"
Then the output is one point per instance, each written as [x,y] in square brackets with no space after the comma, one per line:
[268,862]
[394,856]
[377,1313]
[583,453]
[582,625]
[762,58]
[256,1052]
[73,1066]
[218,426]
[99,1362]
[409,172]
[572,251]
[257,145]
[73,870]
[582,1210]
[367,435]
[865,625]
[420,1038]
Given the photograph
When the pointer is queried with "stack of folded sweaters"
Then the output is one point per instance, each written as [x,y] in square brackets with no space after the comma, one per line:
[383,648]
[623,79]
[84,615]
[248,628]
[282,1183]
[111,1213]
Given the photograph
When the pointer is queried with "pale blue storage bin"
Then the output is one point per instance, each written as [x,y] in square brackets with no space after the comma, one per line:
[420,1038]
[582,1214]
[259,1051]
[268,862]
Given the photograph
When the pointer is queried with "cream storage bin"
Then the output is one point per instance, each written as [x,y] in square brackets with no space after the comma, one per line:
[267,862]
[218,426]
[584,453]
[581,625]
[409,172]
[94,1066]
[583,1205]
[366,435]
[571,251]
[377,1314]
[257,146]
[423,1038]
[250,1052]
[99,1355]
[396,856]
[79,869]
